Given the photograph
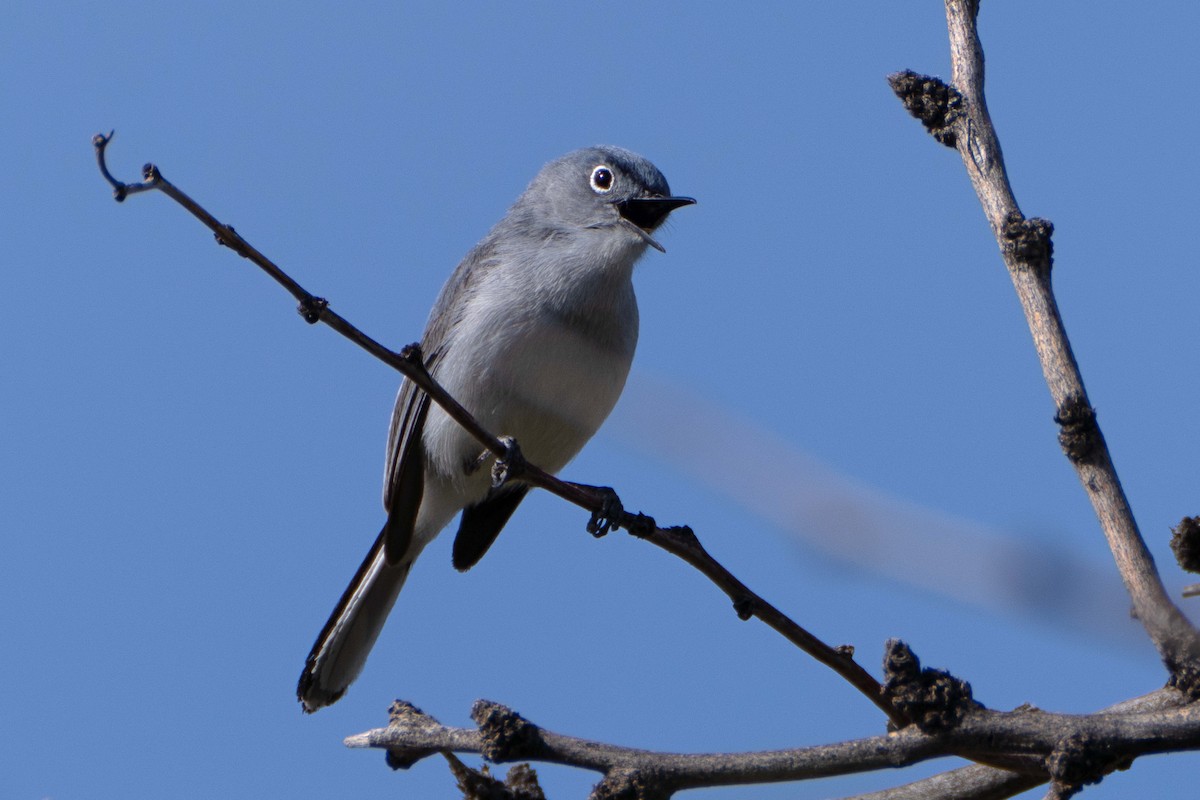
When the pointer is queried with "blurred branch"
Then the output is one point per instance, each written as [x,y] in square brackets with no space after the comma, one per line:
[958,116]
[842,523]
[602,502]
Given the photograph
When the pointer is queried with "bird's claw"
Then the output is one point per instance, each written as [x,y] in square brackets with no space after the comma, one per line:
[608,518]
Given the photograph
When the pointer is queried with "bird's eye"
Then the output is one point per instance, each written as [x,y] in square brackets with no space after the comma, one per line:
[602,180]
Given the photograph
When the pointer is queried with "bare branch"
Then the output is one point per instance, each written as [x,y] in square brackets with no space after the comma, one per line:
[1026,247]
[504,736]
[981,782]
[1070,750]
[974,782]
[602,502]
[521,782]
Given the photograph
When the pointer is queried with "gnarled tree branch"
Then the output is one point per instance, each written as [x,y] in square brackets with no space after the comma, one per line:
[1068,749]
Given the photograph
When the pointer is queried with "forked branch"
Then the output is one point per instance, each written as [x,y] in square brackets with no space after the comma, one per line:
[958,116]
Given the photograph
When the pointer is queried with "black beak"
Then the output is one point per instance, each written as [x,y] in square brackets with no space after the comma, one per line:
[648,212]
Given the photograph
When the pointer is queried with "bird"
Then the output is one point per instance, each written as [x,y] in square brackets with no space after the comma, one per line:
[534,334]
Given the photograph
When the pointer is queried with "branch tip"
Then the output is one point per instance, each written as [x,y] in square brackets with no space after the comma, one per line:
[100,143]
[121,190]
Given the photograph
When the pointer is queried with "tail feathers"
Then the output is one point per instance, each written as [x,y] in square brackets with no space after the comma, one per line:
[341,649]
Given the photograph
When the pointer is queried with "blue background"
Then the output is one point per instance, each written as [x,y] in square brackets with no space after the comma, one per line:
[835,385]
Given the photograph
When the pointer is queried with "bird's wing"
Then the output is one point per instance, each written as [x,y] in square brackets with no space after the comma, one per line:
[404,481]
[404,478]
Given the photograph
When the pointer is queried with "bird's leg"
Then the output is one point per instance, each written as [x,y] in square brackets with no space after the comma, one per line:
[511,466]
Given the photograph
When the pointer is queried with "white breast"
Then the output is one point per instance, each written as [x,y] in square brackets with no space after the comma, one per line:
[546,370]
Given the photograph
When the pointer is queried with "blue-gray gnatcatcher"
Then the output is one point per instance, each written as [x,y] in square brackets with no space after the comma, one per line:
[534,334]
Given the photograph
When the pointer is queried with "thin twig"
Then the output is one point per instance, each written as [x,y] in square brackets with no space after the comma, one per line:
[603,503]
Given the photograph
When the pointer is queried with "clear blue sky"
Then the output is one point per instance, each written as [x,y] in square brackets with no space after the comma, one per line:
[189,475]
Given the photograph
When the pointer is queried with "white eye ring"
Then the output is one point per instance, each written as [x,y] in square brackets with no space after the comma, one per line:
[603,179]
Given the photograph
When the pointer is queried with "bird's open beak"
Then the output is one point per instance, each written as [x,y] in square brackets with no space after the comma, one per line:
[648,212]
[644,214]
